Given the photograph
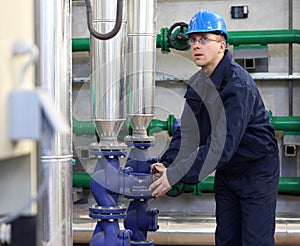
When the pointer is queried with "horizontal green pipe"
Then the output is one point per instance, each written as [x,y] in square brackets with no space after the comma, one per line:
[87,127]
[83,127]
[157,126]
[286,123]
[283,123]
[80,44]
[81,180]
[286,184]
[235,38]
[264,37]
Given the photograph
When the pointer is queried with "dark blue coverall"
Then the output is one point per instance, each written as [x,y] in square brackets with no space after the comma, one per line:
[247,169]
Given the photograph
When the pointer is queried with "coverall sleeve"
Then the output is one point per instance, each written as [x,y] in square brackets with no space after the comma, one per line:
[185,139]
[233,108]
[170,154]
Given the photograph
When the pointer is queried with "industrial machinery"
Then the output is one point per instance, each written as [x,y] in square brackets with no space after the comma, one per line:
[88,104]
[170,227]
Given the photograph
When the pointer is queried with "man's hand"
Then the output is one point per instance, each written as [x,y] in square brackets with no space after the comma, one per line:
[160,186]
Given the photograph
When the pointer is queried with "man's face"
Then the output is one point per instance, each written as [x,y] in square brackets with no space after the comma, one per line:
[206,48]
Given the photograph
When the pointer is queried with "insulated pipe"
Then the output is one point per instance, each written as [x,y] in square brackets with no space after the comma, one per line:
[53,37]
[107,74]
[141,54]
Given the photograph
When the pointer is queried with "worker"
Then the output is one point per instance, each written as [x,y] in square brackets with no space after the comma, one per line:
[225,131]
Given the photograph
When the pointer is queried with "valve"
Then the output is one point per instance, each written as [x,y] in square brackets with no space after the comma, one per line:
[177,39]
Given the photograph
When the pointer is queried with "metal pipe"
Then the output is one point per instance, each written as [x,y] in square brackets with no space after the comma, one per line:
[264,37]
[198,229]
[116,28]
[141,54]
[107,74]
[53,37]
[291,89]
[286,123]
[235,38]
[83,127]
[80,44]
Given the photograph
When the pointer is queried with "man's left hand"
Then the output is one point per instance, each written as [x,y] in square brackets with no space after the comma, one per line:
[160,186]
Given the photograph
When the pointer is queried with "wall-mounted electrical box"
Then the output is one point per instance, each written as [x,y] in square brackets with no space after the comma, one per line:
[239,12]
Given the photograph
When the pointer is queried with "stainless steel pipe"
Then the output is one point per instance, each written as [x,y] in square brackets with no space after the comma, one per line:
[108,73]
[53,73]
[196,229]
[141,54]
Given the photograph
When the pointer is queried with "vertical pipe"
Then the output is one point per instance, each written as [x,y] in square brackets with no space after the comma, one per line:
[141,63]
[291,60]
[107,73]
[53,37]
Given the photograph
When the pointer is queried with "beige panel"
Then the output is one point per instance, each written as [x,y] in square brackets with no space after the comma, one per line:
[17,160]
[16,23]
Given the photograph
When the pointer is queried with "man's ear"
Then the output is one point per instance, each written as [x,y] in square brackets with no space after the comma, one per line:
[223,46]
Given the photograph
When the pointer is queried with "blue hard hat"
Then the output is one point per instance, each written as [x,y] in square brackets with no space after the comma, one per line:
[207,21]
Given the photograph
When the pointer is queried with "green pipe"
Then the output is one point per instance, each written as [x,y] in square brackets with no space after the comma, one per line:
[286,184]
[83,127]
[264,37]
[286,123]
[289,184]
[80,44]
[235,38]
[159,125]
[81,180]
[87,127]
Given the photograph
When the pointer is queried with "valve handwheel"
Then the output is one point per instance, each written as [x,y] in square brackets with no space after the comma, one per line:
[178,40]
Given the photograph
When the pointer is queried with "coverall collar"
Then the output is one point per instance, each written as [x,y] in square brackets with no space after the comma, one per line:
[218,74]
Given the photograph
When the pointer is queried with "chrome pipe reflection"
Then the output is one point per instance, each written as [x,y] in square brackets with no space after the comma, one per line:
[53,37]
[196,229]
[141,64]
[108,74]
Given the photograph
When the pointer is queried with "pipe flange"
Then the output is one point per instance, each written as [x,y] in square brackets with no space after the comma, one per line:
[105,150]
[107,213]
[139,141]
[144,243]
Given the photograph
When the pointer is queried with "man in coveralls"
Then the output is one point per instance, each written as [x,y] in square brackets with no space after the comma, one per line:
[224,128]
